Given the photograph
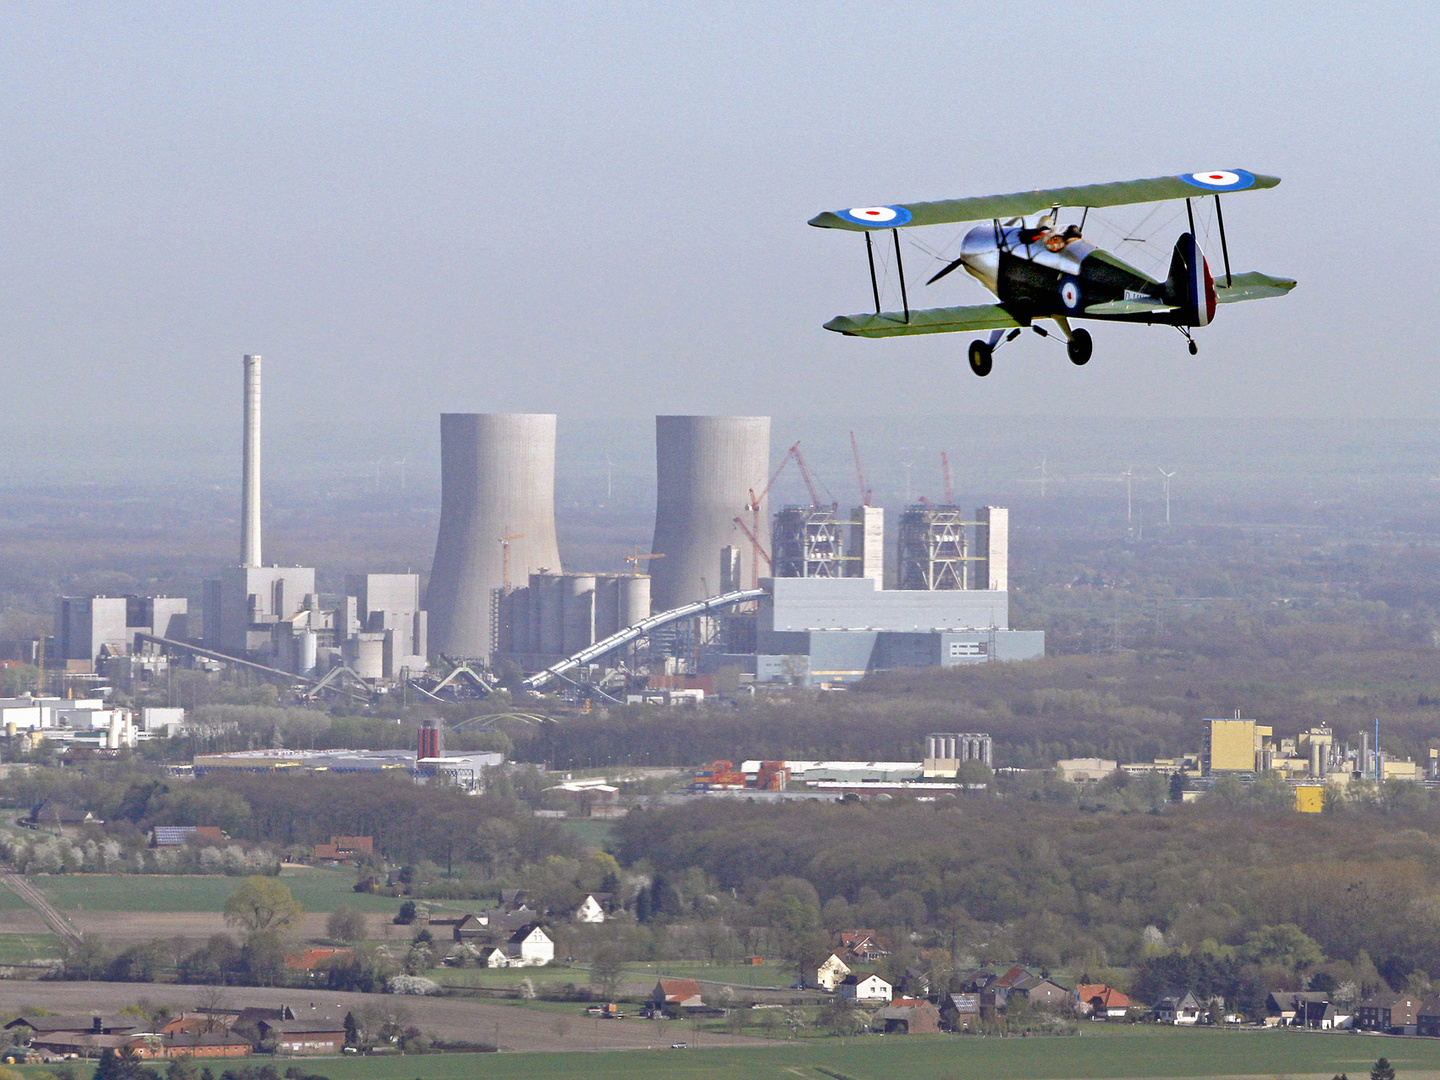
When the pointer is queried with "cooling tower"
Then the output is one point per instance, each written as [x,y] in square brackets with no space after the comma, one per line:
[706,467]
[497,480]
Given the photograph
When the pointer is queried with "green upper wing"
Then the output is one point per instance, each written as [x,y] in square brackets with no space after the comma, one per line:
[987,207]
[1251,286]
[930,321]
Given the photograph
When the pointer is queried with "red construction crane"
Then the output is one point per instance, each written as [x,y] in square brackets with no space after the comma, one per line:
[945,469]
[859,472]
[760,552]
[753,532]
[805,475]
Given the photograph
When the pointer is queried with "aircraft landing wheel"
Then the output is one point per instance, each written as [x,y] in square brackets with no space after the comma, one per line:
[1194,348]
[982,358]
[1080,347]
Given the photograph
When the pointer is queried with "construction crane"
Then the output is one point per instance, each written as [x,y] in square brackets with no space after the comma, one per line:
[805,475]
[636,559]
[945,470]
[753,531]
[760,552]
[859,472]
[505,557]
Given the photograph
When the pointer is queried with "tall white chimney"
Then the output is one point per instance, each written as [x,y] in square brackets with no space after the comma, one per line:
[250,475]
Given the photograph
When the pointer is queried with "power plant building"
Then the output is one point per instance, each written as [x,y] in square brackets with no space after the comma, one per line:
[707,469]
[841,629]
[86,625]
[384,629]
[557,615]
[497,521]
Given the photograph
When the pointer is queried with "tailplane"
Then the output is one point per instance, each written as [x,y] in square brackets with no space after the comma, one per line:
[1190,286]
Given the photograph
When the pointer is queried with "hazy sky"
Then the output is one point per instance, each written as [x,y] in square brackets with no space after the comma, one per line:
[600,208]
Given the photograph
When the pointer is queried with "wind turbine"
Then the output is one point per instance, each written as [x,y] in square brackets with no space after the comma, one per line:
[1043,475]
[1167,476]
[1126,476]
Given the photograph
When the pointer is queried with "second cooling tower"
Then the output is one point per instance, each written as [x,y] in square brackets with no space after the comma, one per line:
[497,495]
[706,467]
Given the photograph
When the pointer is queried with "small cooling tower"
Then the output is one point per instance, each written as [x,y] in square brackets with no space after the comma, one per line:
[706,467]
[497,481]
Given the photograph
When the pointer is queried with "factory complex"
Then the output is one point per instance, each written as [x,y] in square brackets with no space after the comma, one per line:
[807,595]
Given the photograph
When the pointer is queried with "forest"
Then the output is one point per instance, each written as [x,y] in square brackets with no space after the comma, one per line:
[496,833]
[1354,893]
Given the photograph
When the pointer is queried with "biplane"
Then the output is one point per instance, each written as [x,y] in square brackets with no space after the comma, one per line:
[1039,270]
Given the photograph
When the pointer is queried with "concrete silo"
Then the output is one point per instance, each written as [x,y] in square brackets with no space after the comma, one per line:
[706,467]
[497,481]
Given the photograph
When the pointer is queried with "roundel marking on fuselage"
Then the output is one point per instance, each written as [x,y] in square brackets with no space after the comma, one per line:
[881,217]
[1070,293]
[1220,179]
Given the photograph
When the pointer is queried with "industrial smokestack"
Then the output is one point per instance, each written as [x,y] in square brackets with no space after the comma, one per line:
[250,468]
[706,467]
[497,507]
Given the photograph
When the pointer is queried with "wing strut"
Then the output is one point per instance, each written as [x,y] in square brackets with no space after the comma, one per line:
[874,285]
[900,272]
[1224,247]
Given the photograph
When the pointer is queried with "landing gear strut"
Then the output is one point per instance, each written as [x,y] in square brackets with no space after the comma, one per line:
[982,357]
[1079,347]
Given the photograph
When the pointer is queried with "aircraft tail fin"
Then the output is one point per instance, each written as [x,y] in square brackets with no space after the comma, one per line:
[1190,286]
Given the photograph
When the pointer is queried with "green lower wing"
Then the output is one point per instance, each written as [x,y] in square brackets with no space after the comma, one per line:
[1251,286]
[931,321]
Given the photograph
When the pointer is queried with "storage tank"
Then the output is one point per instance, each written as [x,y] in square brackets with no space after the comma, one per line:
[497,480]
[634,600]
[706,467]
[578,616]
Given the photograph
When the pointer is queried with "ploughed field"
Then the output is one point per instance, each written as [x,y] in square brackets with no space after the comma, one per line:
[517,1026]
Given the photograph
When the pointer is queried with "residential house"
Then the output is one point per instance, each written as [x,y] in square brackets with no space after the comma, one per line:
[960,1012]
[492,956]
[530,947]
[491,927]
[57,817]
[313,960]
[910,1016]
[862,945]
[1323,1016]
[674,995]
[1100,1002]
[304,1036]
[1394,1013]
[865,988]
[590,910]
[514,898]
[1287,1008]
[179,835]
[1427,1018]
[1177,1007]
[1041,992]
[345,849]
[831,970]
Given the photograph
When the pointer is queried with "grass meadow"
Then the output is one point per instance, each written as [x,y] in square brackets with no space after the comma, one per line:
[1101,1053]
[317,889]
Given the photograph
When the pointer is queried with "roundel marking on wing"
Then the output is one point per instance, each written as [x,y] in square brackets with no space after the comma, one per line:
[881,217]
[1220,179]
[1070,293]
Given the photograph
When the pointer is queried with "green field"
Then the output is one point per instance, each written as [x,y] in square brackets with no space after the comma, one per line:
[769,975]
[1099,1054]
[317,890]
[591,832]
[22,948]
